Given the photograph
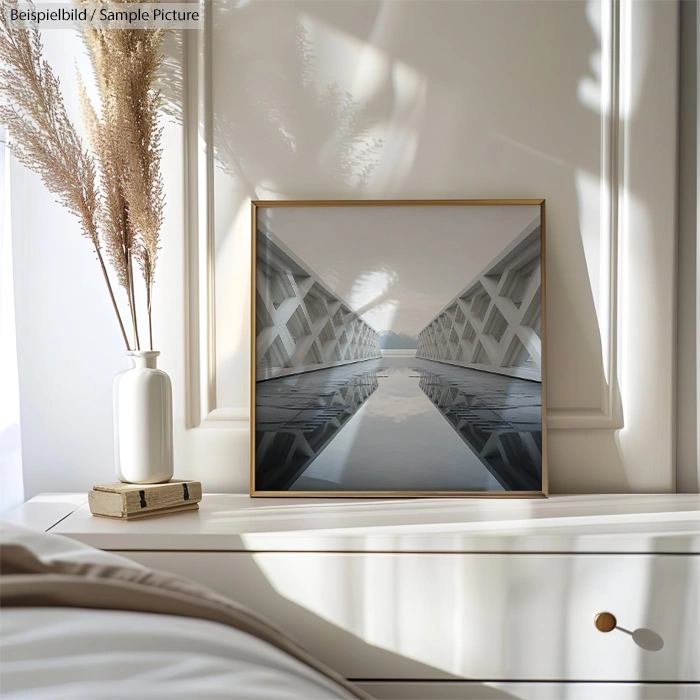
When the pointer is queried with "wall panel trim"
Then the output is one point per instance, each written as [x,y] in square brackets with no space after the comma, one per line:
[618,54]
[608,414]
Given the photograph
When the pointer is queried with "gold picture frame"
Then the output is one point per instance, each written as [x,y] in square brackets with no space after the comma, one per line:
[256,206]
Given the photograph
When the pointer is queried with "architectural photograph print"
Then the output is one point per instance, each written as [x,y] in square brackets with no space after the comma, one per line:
[398,348]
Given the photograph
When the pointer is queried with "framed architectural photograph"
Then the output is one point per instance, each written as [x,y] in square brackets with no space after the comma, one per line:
[398,348]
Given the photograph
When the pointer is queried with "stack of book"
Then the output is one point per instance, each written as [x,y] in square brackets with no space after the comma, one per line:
[131,501]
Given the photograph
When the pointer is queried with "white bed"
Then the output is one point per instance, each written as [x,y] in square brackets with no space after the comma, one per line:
[51,652]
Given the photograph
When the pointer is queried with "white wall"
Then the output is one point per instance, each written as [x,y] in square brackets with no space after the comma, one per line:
[688,425]
[68,341]
[12,493]
[464,99]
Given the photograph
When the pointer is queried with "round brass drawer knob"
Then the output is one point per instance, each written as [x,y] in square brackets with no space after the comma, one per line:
[605,622]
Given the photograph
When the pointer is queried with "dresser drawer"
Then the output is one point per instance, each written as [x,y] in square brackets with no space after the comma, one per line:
[477,616]
[502,690]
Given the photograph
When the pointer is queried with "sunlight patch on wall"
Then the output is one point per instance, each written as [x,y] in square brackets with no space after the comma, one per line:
[596,250]
[342,54]
[371,73]
[636,303]
[233,255]
[590,87]
[594,90]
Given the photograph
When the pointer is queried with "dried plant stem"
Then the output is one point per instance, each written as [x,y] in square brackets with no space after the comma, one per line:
[117,190]
[111,296]
[43,137]
[150,320]
[132,304]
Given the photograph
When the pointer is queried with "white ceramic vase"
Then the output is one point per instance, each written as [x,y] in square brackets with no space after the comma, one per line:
[143,421]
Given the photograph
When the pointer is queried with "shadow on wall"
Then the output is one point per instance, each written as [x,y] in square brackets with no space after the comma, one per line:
[420,100]
[272,121]
[279,122]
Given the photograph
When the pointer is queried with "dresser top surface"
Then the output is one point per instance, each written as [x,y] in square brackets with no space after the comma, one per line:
[235,522]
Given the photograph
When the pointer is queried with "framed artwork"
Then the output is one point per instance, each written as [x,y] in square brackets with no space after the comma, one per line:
[398,348]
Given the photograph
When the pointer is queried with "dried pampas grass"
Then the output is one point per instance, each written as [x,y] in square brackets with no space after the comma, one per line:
[116,189]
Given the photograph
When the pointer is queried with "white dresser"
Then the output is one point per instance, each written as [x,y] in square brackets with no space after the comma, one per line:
[446,598]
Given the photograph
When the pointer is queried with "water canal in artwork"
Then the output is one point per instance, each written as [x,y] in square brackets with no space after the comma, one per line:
[398,423]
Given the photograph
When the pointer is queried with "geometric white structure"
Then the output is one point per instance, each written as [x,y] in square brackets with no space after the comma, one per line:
[292,432]
[494,324]
[505,432]
[300,324]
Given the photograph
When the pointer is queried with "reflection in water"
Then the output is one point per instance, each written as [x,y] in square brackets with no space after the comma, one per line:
[297,416]
[373,426]
[397,441]
[501,424]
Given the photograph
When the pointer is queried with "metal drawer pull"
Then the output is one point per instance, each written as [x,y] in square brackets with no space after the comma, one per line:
[605,622]
[642,637]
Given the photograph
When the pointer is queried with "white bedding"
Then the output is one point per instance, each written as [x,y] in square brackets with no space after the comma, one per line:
[49,653]
[54,653]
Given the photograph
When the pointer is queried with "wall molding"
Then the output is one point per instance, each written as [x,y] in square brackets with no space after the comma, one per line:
[202,408]
[614,56]
[200,269]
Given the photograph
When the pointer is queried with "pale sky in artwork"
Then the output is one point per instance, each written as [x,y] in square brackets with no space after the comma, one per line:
[398,265]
